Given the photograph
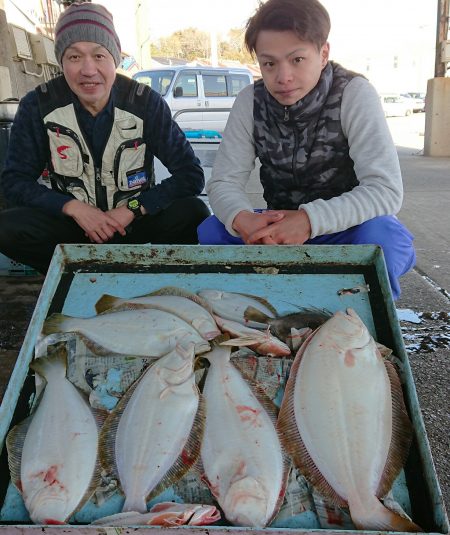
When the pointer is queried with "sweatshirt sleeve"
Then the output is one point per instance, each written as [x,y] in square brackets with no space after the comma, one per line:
[380,188]
[27,157]
[234,162]
[167,142]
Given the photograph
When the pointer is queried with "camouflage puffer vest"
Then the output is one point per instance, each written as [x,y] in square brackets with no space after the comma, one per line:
[303,152]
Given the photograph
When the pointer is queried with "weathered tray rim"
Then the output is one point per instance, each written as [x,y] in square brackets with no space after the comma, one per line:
[93,256]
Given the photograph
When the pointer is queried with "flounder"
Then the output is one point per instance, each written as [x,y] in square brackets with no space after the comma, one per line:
[153,436]
[53,454]
[189,307]
[344,422]
[142,332]
[241,453]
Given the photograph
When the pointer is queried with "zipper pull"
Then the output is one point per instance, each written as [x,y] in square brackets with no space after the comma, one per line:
[98,175]
[286,114]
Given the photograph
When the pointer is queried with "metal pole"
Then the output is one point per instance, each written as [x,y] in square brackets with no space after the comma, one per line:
[441,36]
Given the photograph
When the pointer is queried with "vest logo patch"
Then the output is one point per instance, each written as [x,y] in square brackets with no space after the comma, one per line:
[136,178]
[61,150]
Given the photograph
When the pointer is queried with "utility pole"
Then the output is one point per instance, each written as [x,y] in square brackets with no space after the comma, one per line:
[441,36]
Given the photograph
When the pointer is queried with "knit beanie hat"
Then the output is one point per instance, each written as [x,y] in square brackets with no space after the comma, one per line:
[86,22]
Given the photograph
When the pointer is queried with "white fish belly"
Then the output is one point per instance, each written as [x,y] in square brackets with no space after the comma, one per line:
[240,444]
[185,308]
[343,410]
[59,453]
[152,432]
[146,332]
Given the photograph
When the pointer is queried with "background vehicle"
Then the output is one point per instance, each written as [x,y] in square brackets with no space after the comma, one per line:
[395,105]
[199,97]
[418,100]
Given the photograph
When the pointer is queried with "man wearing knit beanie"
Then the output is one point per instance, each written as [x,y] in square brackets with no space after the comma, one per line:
[96,134]
[86,22]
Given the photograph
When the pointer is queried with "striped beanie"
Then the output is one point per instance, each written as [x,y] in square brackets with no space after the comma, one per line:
[86,22]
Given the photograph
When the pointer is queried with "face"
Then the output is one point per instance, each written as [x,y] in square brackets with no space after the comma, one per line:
[289,66]
[90,72]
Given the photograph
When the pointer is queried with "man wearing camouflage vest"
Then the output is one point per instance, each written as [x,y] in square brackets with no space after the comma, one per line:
[329,167]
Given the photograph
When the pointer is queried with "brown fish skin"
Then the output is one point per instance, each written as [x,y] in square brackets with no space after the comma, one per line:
[305,317]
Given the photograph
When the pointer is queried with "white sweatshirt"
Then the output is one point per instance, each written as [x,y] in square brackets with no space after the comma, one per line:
[380,188]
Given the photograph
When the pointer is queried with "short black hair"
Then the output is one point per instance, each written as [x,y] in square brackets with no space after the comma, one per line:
[308,19]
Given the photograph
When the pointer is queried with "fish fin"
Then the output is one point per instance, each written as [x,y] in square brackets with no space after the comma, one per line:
[273,370]
[220,340]
[181,292]
[14,445]
[172,290]
[95,348]
[385,352]
[245,340]
[188,456]
[53,324]
[126,305]
[253,314]
[263,302]
[378,517]
[106,302]
[402,433]
[292,441]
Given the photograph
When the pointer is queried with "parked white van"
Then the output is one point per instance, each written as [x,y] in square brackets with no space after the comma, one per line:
[200,97]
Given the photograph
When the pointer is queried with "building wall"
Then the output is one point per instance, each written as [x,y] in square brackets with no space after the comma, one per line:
[18,76]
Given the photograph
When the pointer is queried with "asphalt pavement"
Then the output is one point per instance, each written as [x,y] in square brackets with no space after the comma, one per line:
[424,306]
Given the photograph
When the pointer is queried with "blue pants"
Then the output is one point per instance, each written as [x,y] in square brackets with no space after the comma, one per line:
[386,231]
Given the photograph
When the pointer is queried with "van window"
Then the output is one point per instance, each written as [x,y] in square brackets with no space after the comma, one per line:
[237,82]
[188,83]
[215,85]
[158,80]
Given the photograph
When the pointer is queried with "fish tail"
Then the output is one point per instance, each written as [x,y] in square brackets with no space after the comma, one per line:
[218,353]
[55,363]
[137,504]
[54,324]
[379,517]
[105,302]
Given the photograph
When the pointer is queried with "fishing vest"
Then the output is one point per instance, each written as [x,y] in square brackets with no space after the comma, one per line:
[124,171]
[303,152]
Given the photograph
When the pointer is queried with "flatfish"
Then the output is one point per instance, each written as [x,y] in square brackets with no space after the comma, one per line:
[241,452]
[250,310]
[188,307]
[153,436]
[53,454]
[344,422]
[143,332]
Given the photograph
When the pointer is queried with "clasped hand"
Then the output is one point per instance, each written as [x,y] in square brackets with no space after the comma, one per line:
[98,226]
[273,227]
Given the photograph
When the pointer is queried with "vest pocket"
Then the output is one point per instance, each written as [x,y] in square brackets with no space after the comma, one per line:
[129,171]
[72,186]
[65,149]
